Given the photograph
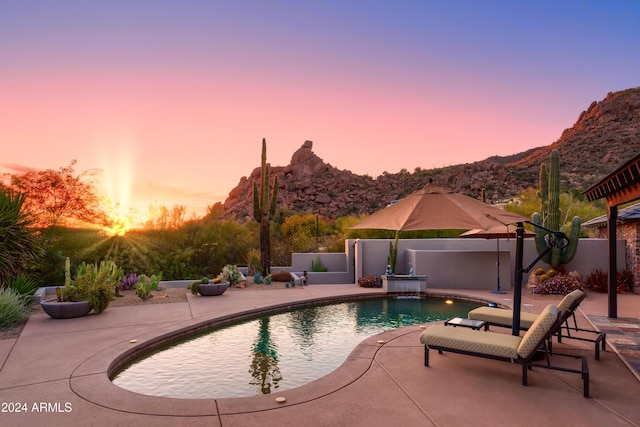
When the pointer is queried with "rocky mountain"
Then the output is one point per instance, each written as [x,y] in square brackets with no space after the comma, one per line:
[605,135]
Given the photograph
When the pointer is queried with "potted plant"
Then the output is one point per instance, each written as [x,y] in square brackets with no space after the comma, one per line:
[206,287]
[91,289]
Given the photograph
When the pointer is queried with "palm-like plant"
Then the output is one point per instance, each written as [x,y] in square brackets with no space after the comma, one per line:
[18,244]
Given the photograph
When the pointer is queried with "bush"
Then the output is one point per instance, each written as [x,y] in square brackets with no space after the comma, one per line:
[625,280]
[13,307]
[370,281]
[253,261]
[317,266]
[281,276]
[598,281]
[95,283]
[559,284]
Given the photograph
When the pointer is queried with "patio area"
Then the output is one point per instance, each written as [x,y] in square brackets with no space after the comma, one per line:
[55,373]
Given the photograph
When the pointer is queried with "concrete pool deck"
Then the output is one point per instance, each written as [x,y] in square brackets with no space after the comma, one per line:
[55,372]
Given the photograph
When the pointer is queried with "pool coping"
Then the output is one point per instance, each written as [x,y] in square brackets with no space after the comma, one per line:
[91,379]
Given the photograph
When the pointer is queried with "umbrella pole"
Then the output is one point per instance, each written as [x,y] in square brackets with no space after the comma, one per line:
[498,290]
[517,283]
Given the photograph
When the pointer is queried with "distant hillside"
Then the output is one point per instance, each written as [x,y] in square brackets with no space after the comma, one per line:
[605,135]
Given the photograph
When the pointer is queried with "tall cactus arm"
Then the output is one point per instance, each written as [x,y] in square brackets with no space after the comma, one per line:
[541,241]
[264,188]
[574,236]
[257,212]
[543,192]
[274,198]
[553,220]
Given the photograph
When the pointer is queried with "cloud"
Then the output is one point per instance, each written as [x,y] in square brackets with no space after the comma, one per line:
[16,169]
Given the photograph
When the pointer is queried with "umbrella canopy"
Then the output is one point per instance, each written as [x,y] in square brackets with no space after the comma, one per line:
[434,208]
[496,232]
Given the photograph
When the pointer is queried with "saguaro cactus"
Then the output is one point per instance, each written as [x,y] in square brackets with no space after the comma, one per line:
[550,215]
[264,210]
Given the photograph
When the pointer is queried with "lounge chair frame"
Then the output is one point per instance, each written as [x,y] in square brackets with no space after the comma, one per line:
[564,330]
[528,362]
[600,340]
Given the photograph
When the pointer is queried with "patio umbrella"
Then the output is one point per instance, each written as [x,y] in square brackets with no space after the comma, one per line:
[434,208]
[496,232]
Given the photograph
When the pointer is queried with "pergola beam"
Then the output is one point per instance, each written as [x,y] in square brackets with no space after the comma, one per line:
[619,187]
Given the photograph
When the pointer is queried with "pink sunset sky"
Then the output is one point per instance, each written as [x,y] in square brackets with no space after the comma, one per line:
[171,99]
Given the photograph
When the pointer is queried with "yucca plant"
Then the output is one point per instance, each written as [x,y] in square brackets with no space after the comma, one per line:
[23,284]
[19,245]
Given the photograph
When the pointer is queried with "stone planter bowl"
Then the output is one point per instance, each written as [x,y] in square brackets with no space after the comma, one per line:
[212,289]
[65,309]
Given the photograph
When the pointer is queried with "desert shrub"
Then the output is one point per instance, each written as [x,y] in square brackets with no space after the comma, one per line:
[317,265]
[13,307]
[99,298]
[281,276]
[625,280]
[598,281]
[253,261]
[369,281]
[559,284]
[96,283]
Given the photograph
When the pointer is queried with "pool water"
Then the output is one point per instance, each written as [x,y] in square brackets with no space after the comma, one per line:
[276,352]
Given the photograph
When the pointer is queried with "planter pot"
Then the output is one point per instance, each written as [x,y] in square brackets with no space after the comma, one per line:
[65,309]
[212,289]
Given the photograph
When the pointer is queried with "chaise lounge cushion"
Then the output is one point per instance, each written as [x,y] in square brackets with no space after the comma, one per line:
[492,343]
[503,317]
[472,341]
[538,331]
[499,316]
[569,300]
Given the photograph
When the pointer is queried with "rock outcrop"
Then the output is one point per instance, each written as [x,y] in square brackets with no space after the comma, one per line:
[605,135]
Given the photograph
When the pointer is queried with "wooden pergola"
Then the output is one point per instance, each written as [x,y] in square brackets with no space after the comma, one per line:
[619,187]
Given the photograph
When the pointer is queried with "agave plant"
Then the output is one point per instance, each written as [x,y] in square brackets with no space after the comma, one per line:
[23,284]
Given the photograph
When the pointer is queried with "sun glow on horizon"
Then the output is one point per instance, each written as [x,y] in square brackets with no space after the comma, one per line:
[117,161]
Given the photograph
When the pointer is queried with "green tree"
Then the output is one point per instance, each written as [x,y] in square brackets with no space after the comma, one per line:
[302,230]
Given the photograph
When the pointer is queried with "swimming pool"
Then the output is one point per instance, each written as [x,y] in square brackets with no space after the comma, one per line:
[275,352]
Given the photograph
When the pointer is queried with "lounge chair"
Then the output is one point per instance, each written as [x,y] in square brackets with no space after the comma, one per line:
[504,347]
[504,318]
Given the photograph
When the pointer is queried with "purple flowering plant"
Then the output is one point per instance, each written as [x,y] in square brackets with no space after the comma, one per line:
[562,284]
[370,281]
[129,282]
